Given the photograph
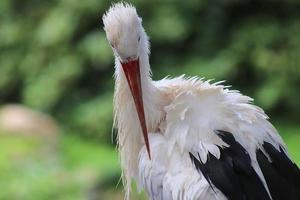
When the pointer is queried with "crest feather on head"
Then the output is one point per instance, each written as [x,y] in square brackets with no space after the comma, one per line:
[120,19]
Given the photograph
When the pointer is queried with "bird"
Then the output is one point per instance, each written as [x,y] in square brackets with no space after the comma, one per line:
[187,138]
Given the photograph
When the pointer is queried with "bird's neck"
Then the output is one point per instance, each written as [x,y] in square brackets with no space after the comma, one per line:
[130,138]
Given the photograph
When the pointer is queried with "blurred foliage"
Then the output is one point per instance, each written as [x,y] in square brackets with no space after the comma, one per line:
[55,58]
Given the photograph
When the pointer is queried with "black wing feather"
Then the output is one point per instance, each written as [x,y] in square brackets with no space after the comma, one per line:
[281,174]
[233,173]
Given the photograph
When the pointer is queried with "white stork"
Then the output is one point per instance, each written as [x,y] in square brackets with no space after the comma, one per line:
[185,138]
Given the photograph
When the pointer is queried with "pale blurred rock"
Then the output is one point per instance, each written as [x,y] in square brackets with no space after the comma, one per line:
[19,119]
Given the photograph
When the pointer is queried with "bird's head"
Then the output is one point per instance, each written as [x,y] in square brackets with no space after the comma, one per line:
[123,31]
[126,36]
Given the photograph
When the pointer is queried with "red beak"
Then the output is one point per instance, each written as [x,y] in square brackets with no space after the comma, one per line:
[133,76]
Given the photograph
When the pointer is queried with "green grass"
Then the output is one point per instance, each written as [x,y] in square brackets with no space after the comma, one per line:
[33,169]
[77,154]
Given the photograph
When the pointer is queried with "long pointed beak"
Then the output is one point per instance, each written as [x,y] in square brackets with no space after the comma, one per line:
[133,76]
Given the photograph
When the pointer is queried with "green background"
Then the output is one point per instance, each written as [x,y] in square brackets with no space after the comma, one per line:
[54,58]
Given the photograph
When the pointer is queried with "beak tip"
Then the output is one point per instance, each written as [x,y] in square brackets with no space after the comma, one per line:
[148,151]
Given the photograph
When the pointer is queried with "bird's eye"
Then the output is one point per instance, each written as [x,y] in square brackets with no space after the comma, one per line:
[113,46]
[139,39]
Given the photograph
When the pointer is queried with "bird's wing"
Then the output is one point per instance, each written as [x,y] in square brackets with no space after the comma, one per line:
[229,140]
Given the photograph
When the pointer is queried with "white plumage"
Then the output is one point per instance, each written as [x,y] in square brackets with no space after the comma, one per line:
[194,110]
[182,117]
